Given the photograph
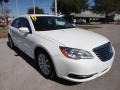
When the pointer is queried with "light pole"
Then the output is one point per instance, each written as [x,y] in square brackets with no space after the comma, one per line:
[34,6]
[55,7]
[17,12]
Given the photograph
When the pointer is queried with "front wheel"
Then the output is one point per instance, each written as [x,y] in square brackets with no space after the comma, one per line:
[45,65]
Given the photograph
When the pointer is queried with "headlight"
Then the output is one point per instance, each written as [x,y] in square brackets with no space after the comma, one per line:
[75,53]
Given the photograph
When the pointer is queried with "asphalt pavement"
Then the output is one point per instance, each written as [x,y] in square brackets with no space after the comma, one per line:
[19,72]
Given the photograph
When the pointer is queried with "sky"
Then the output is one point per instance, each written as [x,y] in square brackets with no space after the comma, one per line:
[24,5]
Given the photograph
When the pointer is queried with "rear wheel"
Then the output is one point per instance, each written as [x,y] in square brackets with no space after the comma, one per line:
[11,44]
[45,65]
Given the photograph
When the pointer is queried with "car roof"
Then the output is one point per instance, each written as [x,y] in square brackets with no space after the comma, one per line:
[30,15]
[37,15]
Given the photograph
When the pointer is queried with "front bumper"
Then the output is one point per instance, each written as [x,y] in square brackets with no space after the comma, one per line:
[81,70]
[90,77]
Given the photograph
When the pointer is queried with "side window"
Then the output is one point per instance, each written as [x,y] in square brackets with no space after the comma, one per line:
[16,23]
[24,23]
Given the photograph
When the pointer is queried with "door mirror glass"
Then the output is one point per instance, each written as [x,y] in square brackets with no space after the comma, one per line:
[24,30]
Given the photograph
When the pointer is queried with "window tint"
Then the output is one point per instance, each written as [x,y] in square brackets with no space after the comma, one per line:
[16,23]
[24,23]
[50,23]
[21,22]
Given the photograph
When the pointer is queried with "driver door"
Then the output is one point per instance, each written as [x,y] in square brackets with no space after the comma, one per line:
[26,38]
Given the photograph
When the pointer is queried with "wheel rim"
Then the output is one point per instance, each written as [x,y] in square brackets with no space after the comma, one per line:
[44,64]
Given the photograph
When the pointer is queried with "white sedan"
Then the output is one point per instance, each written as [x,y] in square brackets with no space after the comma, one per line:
[61,49]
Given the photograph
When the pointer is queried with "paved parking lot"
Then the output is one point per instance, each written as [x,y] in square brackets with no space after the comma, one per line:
[19,72]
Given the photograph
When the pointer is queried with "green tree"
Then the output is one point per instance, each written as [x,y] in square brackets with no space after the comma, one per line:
[37,10]
[106,7]
[67,7]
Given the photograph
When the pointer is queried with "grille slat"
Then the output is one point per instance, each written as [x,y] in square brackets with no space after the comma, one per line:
[104,52]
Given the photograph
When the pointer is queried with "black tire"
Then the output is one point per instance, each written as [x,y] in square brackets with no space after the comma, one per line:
[11,44]
[44,61]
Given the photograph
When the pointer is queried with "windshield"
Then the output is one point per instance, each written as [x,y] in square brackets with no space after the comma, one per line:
[46,23]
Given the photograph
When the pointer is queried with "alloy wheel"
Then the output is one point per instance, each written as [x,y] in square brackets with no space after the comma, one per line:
[44,64]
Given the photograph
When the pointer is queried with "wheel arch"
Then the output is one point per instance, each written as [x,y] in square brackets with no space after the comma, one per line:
[38,48]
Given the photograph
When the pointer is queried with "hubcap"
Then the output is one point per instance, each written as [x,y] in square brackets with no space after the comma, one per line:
[44,64]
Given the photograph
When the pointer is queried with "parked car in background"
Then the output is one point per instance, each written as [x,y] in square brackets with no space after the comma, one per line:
[117,19]
[61,49]
[2,22]
[80,21]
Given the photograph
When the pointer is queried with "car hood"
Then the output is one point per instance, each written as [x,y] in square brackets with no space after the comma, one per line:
[76,38]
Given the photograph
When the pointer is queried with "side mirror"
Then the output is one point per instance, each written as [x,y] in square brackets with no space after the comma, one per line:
[24,30]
